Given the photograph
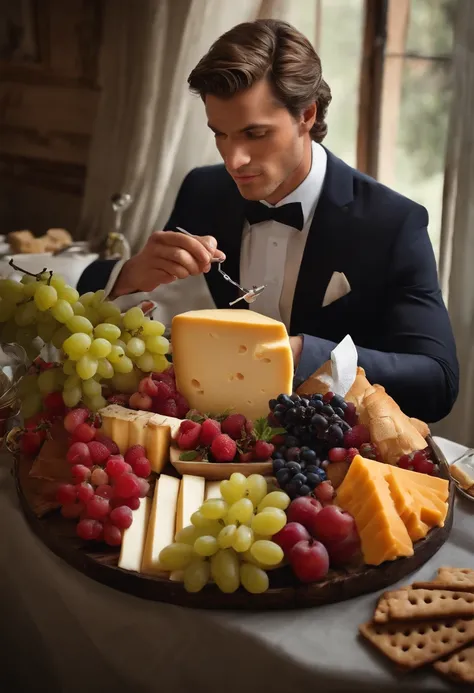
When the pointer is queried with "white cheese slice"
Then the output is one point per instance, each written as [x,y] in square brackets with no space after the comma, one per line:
[162,523]
[133,541]
[213,489]
[190,499]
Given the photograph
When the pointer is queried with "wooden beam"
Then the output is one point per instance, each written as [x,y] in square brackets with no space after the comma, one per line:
[370,90]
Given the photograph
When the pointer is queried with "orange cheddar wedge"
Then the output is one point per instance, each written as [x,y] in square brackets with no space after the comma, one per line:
[408,508]
[435,483]
[433,511]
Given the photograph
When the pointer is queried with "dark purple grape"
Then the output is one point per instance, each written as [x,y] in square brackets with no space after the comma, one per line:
[295,483]
[292,416]
[292,454]
[278,455]
[322,474]
[335,436]
[309,412]
[337,401]
[339,412]
[304,402]
[293,468]
[317,398]
[345,426]
[319,422]
[283,476]
[300,477]
[313,480]
[304,490]
[318,404]
[272,404]
[295,398]
[285,401]
[291,441]
[278,464]
[311,469]
[328,410]
[308,455]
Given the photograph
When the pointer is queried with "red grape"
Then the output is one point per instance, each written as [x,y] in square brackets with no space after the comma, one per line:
[110,444]
[328,397]
[144,487]
[337,455]
[121,517]
[304,511]
[79,453]
[116,466]
[99,452]
[351,453]
[127,486]
[66,493]
[350,414]
[343,552]
[89,529]
[99,476]
[80,473]
[423,466]
[419,455]
[148,387]
[84,433]
[142,467]
[357,436]
[30,442]
[74,418]
[333,524]
[140,401]
[112,534]
[134,453]
[104,491]
[72,511]
[290,535]
[98,508]
[405,462]
[324,492]
[309,560]
[54,403]
[85,492]
[133,503]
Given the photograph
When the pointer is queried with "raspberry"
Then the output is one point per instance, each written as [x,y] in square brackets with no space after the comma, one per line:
[234,426]
[110,444]
[118,399]
[188,436]
[357,436]
[99,452]
[168,408]
[223,448]
[84,433]
[182,404]
[163,389]
[210,429]
[263,450]
[351,453]
[134,453]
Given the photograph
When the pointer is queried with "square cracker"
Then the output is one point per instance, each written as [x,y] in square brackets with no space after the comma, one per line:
[429,604]
[458,666]
[411,644]
[457,576]
[382,610]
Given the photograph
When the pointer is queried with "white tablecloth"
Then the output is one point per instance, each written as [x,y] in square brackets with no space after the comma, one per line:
[64,633]
[69,265]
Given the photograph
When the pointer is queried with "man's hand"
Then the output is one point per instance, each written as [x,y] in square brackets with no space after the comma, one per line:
[296,344]
[167,256]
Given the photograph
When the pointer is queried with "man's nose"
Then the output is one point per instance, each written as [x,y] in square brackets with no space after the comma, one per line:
[236,158]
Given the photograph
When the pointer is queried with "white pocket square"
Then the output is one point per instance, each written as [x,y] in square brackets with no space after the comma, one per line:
[337,288]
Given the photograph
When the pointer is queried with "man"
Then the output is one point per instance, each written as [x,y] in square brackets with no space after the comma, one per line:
[285,212]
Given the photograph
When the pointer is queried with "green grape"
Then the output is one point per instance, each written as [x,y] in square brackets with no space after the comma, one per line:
[126,382]
[226,536]
[47,328]
[11,290]
[27,279]
[92,315]
[69,294]
[78,308]
[47,381]
[133,318]
[123,365]
[152,327]
[115,320]
[214,509]
[157,345]
[30,289]
[212,527]
[99,296]
[253,579]
[107,309]
[196,576]
[125,336]
[240,512]
[62,311]
[72,397]
[79,323]
[105,369]
[57,281]
[106,330]
[31,405]
[145,362]
[86,299]
[91,388]
[100,348]
[233,489]
[7,309]
[26,314]
[72,380]
[186,535]
[120,343]
[135,347]
[225,570]
[28,386]
[116,353]
[45,297]
[275,499]
[9,332]
[77,345]
[160,363]
[176,556]
[243,539]
[269,522]
[60,337]
[256,488]
[206,545]
[96,403]
[86,367]
[69,367]
[266,552]
[25,336]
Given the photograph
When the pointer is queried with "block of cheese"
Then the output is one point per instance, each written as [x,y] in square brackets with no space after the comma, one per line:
[190,499]
[213,489]
[435,483]
[128,427]
[133,541]
[231,360]
[408,508]
[162,523]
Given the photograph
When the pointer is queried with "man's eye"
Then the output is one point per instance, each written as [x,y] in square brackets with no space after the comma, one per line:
[256,134]
[219,135]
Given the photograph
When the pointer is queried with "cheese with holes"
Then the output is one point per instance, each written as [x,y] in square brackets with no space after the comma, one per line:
[231,359]
[127,427]
[190,499]
[133,541]
[162,523]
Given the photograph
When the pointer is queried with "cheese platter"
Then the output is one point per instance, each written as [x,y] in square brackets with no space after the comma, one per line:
[210,482]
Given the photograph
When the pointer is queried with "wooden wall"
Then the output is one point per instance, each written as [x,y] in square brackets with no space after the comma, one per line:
[49,90]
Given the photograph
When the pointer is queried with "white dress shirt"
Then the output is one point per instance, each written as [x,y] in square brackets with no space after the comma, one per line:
[266,257]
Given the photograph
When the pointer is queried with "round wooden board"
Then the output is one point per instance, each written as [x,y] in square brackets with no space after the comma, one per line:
[100,563]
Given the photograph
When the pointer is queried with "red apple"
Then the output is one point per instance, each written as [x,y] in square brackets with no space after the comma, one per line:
[304,510]
[343,552]
[332,524]
[290,535]
[309,560]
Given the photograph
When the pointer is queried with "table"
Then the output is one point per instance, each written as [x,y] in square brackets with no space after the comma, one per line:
[64,633]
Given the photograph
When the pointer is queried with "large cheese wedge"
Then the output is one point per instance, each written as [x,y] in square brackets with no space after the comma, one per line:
[231,359]
[133,541]
[162,523]
[435,483]
[190,499]
[408,508]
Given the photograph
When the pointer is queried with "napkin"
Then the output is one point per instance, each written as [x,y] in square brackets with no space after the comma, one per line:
[343,367]
[337,288]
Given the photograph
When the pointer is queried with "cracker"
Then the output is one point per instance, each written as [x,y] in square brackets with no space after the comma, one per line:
[458,576]
[411,644]
[382,610]
[458,666]
[422,603]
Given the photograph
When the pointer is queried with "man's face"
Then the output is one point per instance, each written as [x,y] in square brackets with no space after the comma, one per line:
[261,144]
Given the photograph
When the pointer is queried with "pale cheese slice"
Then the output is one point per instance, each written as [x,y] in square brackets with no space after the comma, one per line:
[213,489]
[190,499]
[133,541]
[115,424]
[161,526]
[137,429]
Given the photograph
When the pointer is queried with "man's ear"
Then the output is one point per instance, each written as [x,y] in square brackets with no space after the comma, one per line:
[308,118]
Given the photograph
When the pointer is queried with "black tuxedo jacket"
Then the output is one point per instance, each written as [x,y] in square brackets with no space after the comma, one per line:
[378,238]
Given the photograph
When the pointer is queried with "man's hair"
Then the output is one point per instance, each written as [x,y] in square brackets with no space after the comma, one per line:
[266,49]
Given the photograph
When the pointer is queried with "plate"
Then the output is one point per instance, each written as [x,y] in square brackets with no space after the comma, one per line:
[465,462]
[217,471]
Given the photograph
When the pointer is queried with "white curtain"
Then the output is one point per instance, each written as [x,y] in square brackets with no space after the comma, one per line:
[150,131]
[457,239]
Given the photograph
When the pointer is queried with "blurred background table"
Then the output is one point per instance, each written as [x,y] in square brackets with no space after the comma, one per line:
[69,265]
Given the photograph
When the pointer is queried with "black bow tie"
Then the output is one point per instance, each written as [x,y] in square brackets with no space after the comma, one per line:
[290,214]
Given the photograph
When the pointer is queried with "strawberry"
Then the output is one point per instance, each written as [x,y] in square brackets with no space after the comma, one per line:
[263,450]
[30,443]
[234,426]
[54,403]
[98,451]
[182,404]
[210,429]
[223,448]
[74,418]
[134,453]
[163,389]
[84,433]
[188,436]
[246,457]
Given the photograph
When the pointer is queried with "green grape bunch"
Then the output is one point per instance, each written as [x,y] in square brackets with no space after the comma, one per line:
[98,346]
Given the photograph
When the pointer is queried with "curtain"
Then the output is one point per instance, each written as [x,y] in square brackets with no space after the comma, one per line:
[150,131]
[457,236]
